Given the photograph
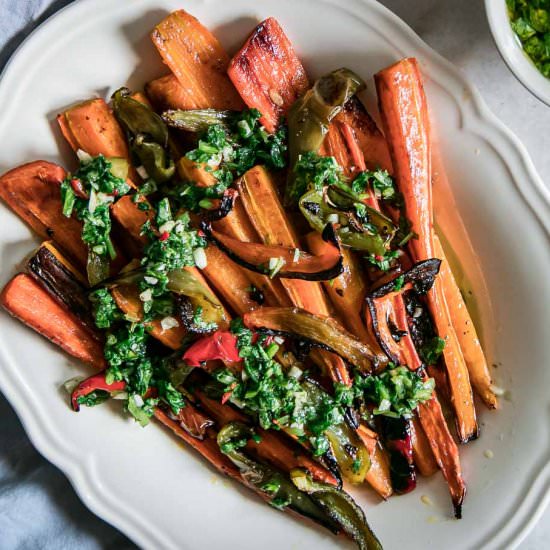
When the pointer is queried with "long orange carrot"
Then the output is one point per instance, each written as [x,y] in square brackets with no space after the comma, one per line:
[405,117]
[444,449]
[27,300]
[422,452]
[32,191]
[465,332]
[92,127]
[197,60]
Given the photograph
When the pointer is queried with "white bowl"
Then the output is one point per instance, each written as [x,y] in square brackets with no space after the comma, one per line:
[510,49]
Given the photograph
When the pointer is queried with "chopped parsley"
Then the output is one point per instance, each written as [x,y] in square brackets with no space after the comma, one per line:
[396,392]
[104,308]
[432,350]
[171,247]
[313,171]
[89,193]
[530,20]
[93,398]
[383,262]
[279,400]
[381,182]
[228,151]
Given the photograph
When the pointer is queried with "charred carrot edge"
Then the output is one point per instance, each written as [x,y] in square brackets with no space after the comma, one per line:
[267,73]
[405,118]
[378,476]
[271,446]
[465,331]
[198,61]
[422,453]
[127,299]
[32,191]
[28,301]
[444,449]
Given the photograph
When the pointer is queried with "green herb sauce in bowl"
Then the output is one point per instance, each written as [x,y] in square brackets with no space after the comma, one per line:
[530,20]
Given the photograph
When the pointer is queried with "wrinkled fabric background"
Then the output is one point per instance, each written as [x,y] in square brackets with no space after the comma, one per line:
[38,507]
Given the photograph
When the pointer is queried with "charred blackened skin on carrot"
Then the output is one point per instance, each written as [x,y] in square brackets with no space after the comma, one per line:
[225,206]
[325,274]
[421,276]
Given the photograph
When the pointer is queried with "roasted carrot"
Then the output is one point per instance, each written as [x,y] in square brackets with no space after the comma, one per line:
[237,225]
[378,476]
[265,211]
[32,304]
[422,453]
[267,73]
[366,134]
[167,93]
[405,118]
[191,171]
[127,299]
[230,281]
[92,127]
[32,191]
[465,332]
[130,217]
[64,281]
[198,61]
[272,447]
[347,291]
[444,449]
[207,447]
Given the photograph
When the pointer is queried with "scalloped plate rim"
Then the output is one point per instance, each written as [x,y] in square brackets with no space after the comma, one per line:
[98,499]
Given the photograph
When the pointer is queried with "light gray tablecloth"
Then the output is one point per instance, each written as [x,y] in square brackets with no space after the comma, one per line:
[38,508]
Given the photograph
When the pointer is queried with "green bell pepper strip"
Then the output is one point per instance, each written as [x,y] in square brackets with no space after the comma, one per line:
[318,212]
[148,135]
[340,507]
[273,485]
[197,120]
[310,116]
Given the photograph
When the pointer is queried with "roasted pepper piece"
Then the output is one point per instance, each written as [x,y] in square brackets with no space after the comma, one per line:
[341,508]
[147,132]
[276,488]
[92,384]
[310,116]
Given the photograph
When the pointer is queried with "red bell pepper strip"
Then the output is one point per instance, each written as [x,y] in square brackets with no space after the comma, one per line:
[221,344]
[94,383]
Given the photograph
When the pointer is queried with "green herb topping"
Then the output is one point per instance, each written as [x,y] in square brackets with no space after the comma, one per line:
[228,151]
[396,392]
[278,400]
[530,20]
[89,192]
